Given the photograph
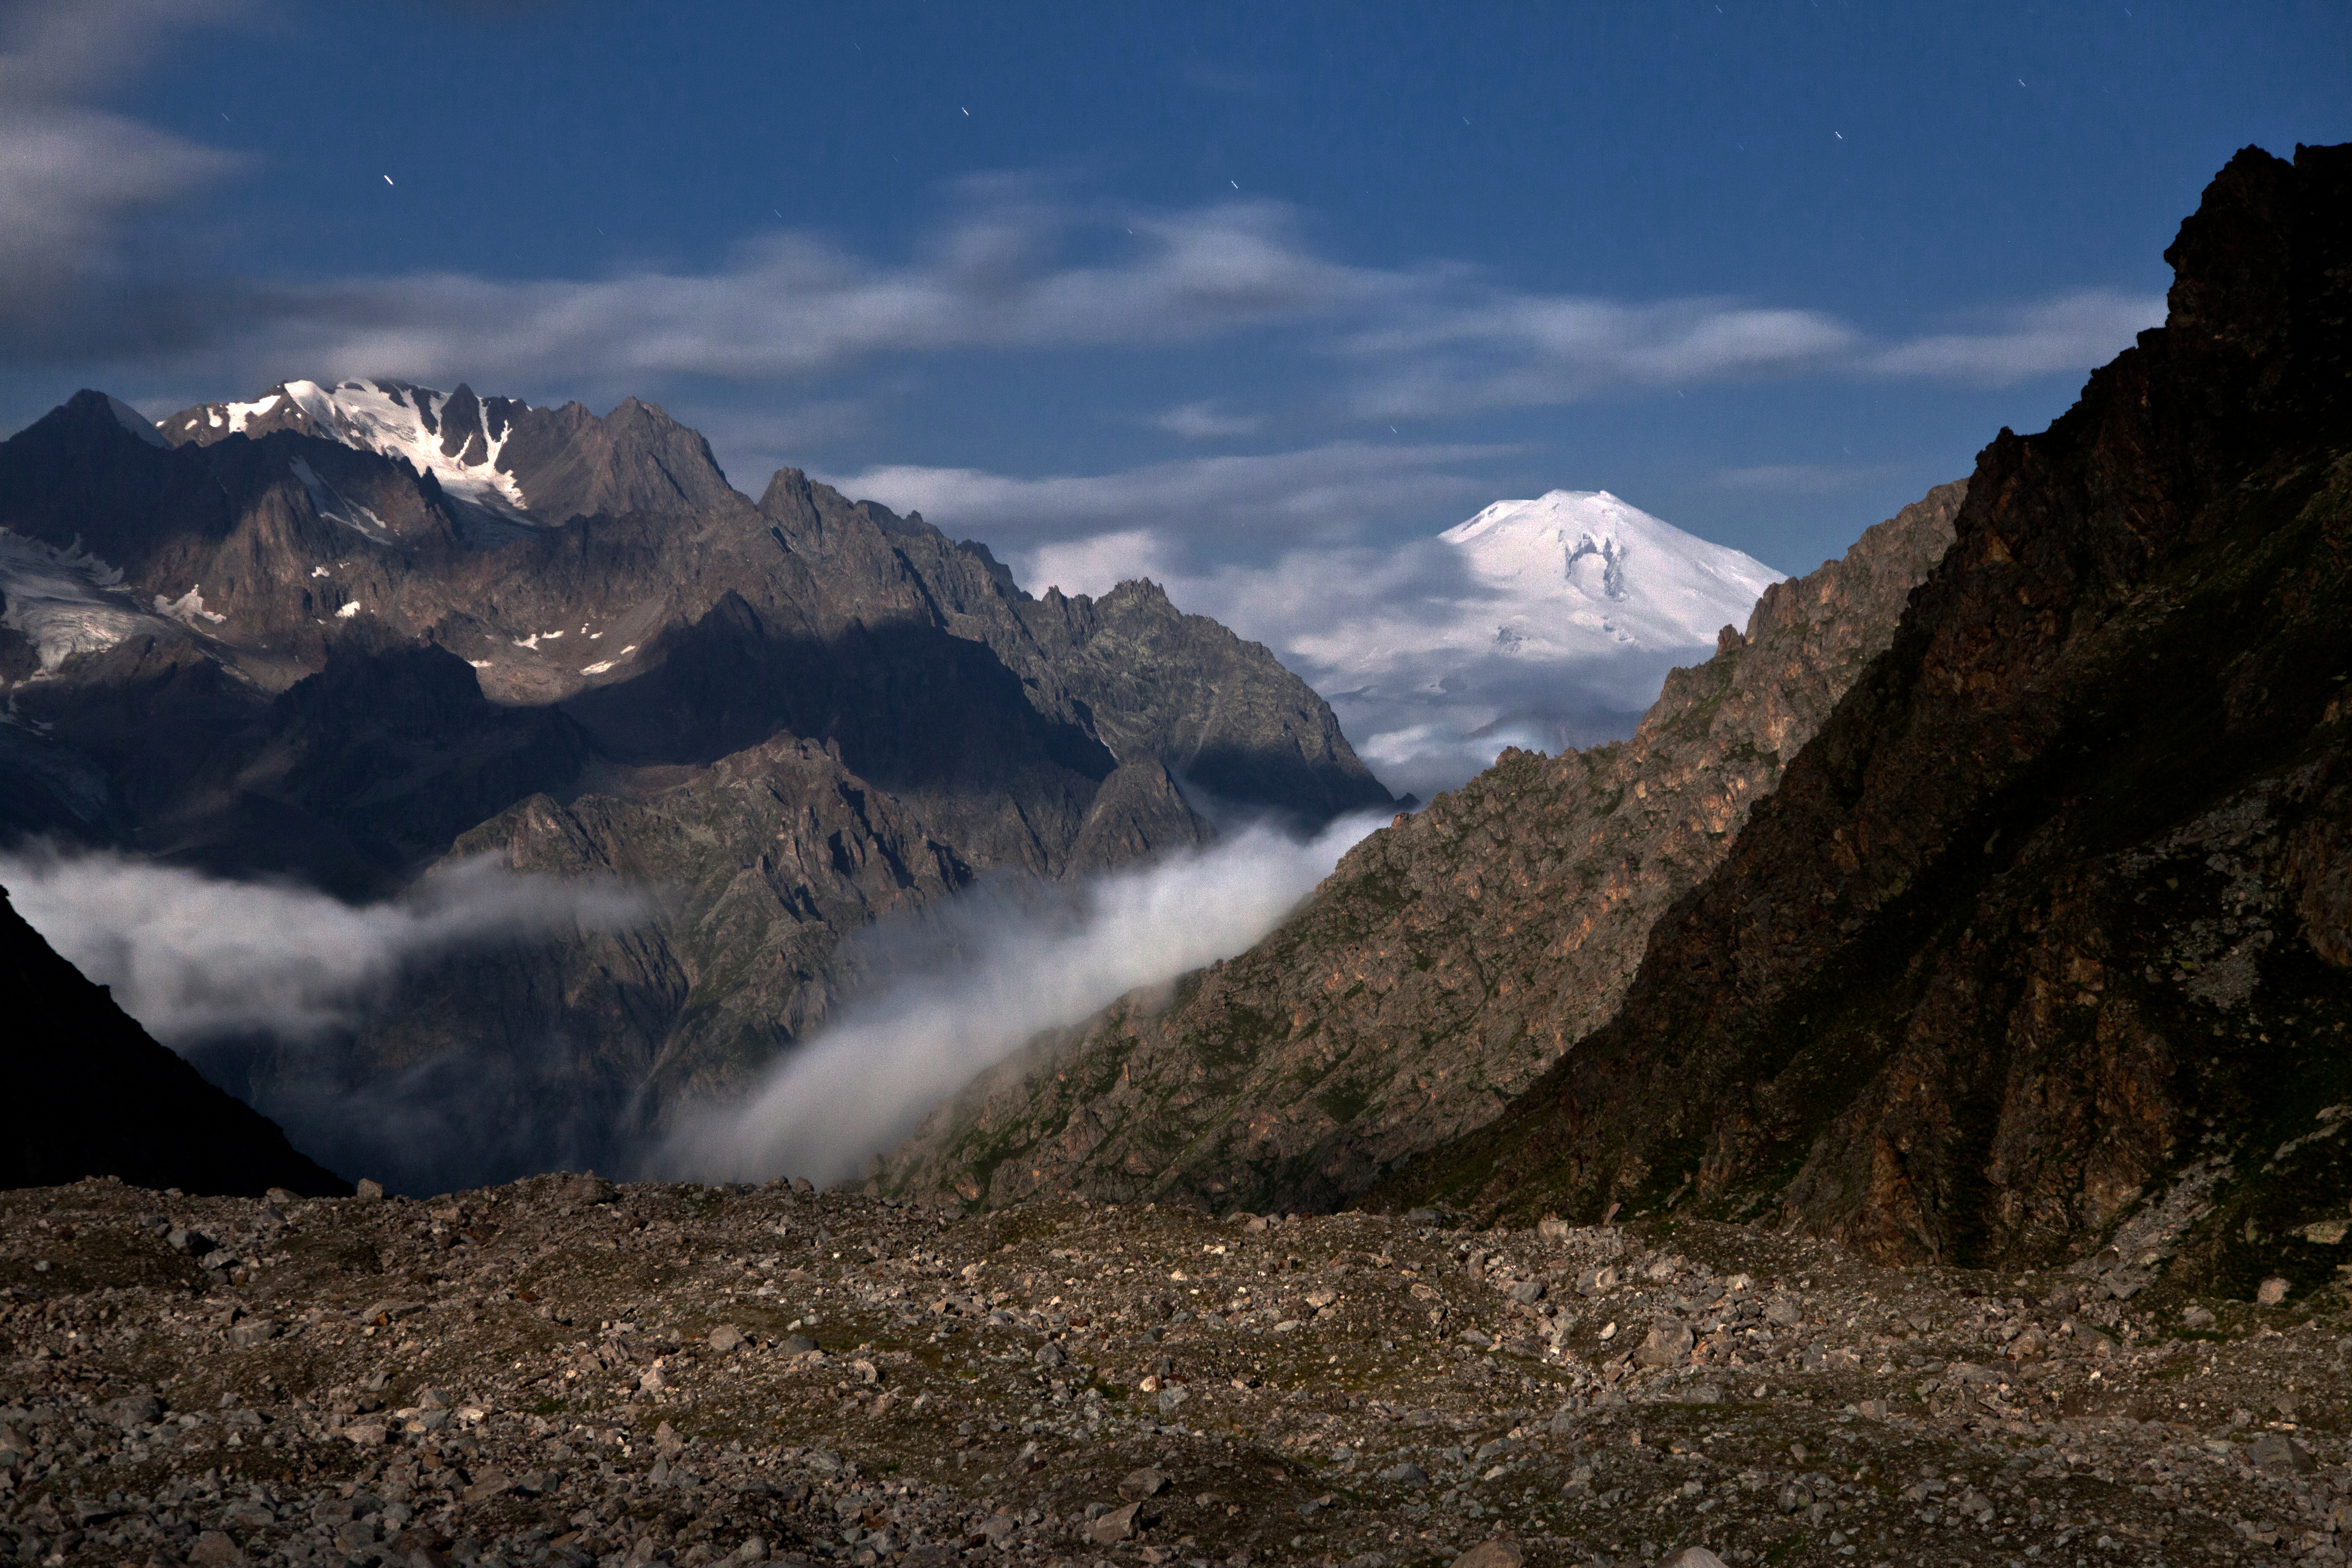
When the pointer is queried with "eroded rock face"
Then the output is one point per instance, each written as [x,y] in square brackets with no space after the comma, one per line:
[276,648]
[2046,923]
[1449,960]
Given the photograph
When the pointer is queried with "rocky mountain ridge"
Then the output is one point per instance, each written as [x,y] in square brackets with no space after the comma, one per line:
[277,649]
[2040,945]
[1448,961]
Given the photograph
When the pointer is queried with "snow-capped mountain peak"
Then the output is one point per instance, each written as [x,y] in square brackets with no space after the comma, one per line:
[511,463]
[1573,565]
[1545,622]
[456,436]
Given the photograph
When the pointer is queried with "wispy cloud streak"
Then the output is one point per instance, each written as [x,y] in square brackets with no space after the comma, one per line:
[1026,966]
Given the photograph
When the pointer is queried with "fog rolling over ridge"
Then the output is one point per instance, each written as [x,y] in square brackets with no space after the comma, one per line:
[996,968]
[262,985]
[194,957]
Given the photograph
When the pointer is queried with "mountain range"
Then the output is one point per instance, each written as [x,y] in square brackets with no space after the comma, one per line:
[2002,920]
[1450,959]
[1985,900]
[354,636]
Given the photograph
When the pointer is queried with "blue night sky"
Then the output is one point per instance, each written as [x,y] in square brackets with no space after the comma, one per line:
[1165,287]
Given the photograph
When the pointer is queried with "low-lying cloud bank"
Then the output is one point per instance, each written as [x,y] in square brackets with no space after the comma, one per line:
[195,957]
[977,979]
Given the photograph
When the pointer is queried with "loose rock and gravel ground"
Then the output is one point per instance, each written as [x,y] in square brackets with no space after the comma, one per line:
[561,1371]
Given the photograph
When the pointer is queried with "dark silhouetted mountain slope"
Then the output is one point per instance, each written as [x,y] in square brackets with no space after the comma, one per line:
[2042,940]
[89,1094]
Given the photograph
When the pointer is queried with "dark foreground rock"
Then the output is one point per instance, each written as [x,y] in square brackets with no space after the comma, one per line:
[561,1371]
[88,1092]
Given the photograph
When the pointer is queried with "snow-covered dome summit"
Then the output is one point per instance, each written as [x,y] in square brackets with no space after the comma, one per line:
[1580,570]
[1544,622]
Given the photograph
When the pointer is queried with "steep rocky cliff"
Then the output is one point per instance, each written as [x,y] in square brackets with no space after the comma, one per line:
[1449,960]
[2042,940]
[344,633]
[89,1094]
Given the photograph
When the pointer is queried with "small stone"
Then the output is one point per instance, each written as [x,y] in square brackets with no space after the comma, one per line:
[2197,1318]
[1491,1554]
[2279,1455]
[726,1338]
[1692,1557]
[1144,1483]
[1119,1524]
[1527,1292]
[2272,1292]
[1668,1344]
[798,1344]
[585,1190]
[370,1189]
[1405,1475]
[131,1410]
[367,1433]
[281,1196]
[1052,1354]
[213,1549]
[250,1331]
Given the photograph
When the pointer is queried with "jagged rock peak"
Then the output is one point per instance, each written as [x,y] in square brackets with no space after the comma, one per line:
[501,454]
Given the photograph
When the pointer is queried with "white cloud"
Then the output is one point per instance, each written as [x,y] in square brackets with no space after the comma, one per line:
[1277,497]
[192,956]
[1518,350]
[1093,566]
[2072,332]
[789,305]
[1204,422]
[71,176]
[867,1079]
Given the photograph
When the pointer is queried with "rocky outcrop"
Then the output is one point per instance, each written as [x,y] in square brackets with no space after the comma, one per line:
[324,639]
[1449,960]
[2043,930]
[89,1094]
